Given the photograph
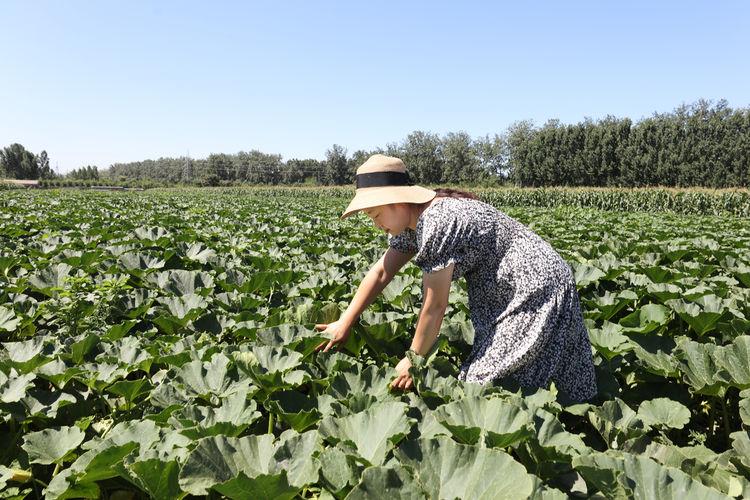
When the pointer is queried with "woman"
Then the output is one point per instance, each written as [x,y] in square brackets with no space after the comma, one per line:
[522,296]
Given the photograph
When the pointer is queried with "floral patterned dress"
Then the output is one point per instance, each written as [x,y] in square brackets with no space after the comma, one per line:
[523,300]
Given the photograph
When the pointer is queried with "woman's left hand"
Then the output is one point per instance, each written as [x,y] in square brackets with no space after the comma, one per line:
[403,380]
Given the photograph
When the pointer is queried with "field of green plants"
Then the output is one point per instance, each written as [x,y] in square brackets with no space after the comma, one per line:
[162,345]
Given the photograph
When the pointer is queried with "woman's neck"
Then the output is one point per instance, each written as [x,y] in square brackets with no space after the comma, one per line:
[418,209]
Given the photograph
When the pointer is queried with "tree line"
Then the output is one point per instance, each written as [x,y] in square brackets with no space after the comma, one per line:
[18,163]
[698,144]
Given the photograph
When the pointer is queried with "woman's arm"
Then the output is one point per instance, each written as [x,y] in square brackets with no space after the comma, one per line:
[377,278]
[437,287]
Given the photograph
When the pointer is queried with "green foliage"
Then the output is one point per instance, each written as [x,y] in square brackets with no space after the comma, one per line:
[163,343]
[88,172]
[18,163]
[698,144]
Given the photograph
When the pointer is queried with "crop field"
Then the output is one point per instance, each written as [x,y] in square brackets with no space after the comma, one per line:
[161,345]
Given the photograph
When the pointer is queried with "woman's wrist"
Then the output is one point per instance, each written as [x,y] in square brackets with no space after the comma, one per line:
[413,350]
[348,320]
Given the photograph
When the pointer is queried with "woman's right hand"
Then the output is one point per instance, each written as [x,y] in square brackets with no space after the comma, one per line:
[338,330]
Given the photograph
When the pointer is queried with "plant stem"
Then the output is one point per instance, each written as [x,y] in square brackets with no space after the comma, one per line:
[725,414]
[40,482]
[270,423]
[57,469]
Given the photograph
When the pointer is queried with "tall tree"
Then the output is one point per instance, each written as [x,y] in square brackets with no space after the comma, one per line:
[337,166]
[422,152]
[460,163]
[45,172]
[492,155]
[18,163]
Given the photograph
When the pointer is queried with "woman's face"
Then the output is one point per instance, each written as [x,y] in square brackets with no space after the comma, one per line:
[392,218]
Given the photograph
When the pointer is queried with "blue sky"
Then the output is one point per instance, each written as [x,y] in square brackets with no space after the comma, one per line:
[104,82]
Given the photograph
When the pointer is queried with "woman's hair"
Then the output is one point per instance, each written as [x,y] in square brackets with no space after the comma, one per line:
[455,193]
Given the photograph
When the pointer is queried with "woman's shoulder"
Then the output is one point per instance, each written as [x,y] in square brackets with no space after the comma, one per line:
[448,208]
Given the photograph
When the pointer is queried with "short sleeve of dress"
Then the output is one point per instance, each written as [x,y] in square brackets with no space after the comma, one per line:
[404,242]
[442,240]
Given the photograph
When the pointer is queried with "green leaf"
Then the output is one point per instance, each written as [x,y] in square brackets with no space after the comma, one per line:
[13,386]
[337,469]
[51,446]
[734,360]
[609,340]
[296,409]
[49,278]
[645,477]
[698,364]
[8,320]
[272,368]
[501,423]
[616,422]
[447,469]
[373,432]
[131,390]
[664,412]
[181,282]
[231,465]
[702,315]
[158,478]
[139,263]
[234,415]
[745,407]
[387,483]
[586,275]
[296,453]
[646,318]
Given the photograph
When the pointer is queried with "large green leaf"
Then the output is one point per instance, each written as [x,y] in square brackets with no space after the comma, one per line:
[181,281]
[236,465]
[702,315]
[642,477]
[50,278]
[447,469]
[373,432]
[734,361]
[617,423]
[158,478]
[234,415]
[51,446]
[494,421]
[296,409]
[663,412]
[272,368]
[387,483]
[698,364]
[8,319]
[13,386]
[646,318]
[609,340]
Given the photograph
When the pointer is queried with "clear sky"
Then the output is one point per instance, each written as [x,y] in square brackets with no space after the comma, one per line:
[100,82]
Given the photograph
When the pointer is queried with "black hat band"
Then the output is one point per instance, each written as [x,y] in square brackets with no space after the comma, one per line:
[378,179]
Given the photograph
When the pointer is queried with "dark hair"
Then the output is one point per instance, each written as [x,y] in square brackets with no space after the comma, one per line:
[455,193]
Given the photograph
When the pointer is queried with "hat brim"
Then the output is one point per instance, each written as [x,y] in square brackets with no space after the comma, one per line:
[376,196]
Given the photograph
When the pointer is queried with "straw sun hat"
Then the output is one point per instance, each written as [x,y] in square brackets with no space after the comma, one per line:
[382,180]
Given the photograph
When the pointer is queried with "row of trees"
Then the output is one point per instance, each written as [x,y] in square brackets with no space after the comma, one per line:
[699,144]
[18,163]
[431,159]
[696,145]
[89,172]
